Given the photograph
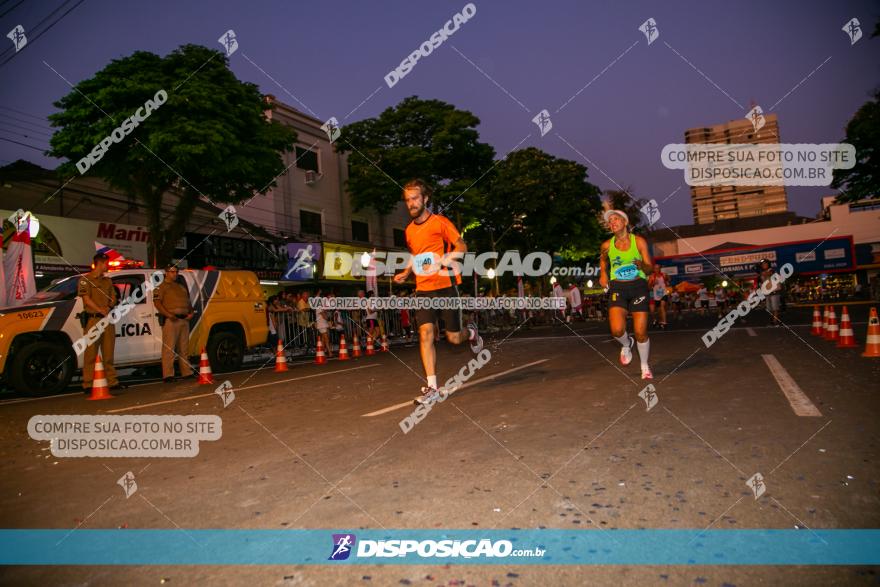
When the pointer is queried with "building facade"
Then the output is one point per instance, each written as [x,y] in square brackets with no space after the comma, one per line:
[840,247]
[310,201]
[713,203]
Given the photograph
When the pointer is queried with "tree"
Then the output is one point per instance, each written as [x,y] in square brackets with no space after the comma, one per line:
[538,202]
[625,201]
[863,133]
[429,139]
[210,138]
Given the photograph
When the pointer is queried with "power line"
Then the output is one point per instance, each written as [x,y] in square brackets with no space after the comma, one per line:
[41,118]
[18,134]
[35,125]
[23,144]
[25,128]
[45,30]
[11,9]
[35,27]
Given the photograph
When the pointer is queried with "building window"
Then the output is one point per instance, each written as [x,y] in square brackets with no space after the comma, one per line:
[306,159]
[360,231]
[310,222]
[399,238]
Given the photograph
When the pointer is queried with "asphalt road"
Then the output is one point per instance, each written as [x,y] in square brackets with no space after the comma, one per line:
[551,433]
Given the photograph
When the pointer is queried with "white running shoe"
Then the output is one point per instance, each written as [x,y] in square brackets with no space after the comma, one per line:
[477,342]
[429,396]
[626,354]
[646,373]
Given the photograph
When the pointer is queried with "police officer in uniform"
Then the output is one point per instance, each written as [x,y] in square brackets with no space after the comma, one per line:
[99,297]
[175,310]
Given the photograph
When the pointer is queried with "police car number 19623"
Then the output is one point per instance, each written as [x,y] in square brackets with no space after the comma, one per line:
[26,315]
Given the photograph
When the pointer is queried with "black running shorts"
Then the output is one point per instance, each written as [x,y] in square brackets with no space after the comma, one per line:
[451,316]
[631,295]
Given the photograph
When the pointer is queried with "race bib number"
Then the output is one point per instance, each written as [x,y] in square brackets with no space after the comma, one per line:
[425,264]
[626,272]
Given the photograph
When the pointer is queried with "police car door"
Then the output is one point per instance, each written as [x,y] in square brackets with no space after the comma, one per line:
[138,337]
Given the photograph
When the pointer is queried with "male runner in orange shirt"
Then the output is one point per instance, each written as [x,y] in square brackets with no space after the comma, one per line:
[434,244]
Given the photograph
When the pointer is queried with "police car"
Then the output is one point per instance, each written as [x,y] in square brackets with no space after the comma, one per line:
[41,341]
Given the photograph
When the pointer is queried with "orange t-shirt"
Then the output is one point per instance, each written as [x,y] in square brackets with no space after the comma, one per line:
[428,242]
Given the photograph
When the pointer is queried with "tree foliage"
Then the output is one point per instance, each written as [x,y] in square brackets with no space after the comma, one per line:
[429,139]
[210,139]
[538,202]
[863,133]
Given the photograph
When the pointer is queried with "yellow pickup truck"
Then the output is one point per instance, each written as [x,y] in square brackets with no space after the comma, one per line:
[37,339]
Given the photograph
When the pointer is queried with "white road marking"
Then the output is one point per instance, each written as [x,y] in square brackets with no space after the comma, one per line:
[651,332]
[468,384]
[131,383]
[800,403]
[238,389]
[751,331]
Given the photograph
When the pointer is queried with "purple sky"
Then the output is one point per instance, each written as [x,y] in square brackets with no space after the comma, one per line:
[333,55]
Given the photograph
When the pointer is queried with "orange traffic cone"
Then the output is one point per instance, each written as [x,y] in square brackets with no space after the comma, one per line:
[825,315]
[847,338]
[384,344]
[370,349]
[280,359]
[833,328]
[205,376]
[100,389]
[356,347]
[872,342]
[817,322]
[343,349]
[320,357]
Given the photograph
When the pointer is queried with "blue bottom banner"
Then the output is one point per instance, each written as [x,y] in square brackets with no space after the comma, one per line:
[408,547]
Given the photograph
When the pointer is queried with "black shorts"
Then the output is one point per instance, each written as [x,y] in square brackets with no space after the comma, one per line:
[451,317]
[631,295]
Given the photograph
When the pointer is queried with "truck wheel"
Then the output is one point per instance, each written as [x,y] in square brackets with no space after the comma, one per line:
[225,352]
[42,367]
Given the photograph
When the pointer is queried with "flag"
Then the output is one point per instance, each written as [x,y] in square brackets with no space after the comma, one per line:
[371,275]
[18,265]
[2,274]
[112,254]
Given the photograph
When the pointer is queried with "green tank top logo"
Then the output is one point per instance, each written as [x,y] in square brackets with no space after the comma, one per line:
[622,266]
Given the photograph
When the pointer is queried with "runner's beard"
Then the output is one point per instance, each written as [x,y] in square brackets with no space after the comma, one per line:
[418,212]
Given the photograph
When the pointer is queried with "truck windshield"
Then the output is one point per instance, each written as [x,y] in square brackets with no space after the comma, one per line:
[63,289]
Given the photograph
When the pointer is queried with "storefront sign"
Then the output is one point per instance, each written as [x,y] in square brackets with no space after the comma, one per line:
[807,257]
